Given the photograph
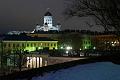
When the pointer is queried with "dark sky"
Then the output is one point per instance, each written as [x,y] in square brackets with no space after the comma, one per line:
[25,14]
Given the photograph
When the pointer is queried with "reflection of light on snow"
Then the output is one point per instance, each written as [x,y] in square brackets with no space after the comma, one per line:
[34,62]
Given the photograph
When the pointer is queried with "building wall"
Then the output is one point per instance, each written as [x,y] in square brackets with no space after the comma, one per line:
[48,20]
[86,42]
[76,41]
[106,42]
[9,46]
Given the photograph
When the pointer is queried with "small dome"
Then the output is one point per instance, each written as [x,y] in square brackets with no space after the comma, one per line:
[48,14]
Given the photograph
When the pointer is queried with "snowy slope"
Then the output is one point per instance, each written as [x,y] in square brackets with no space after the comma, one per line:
[93,71]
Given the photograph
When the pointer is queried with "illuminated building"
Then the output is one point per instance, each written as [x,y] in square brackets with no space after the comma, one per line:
[86,42]
[106,42]
[26,43]
[48,24]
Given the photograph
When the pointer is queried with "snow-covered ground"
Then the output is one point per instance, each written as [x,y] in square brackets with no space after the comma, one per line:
[92,71]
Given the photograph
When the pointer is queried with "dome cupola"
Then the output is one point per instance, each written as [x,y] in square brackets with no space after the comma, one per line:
[48,14]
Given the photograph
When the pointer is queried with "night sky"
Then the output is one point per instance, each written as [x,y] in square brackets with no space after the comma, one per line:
[25,14]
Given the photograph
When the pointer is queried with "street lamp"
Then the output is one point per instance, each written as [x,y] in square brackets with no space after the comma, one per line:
[68,48]
[61,47]
[94,48]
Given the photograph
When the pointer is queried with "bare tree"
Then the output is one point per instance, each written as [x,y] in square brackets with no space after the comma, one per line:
[106,12]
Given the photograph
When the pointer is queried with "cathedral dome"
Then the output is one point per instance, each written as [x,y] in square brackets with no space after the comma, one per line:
[48,14]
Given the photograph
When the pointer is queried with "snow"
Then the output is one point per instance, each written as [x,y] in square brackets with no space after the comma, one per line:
[92,71]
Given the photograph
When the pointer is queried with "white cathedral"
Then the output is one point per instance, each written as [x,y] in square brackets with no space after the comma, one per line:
[48,24]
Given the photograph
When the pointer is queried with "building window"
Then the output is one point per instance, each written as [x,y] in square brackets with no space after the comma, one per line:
[17,45]
[86,42]
[34,44]
[4,45]
[51,44]
[9,45]
[13,45]
[54,44]
[31,45]
[22,44]
[27,45]
[41,44]
[89,42]
[47,44]
[44,44]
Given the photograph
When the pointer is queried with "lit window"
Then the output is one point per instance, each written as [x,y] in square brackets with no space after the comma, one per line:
[41,44]
[115,42]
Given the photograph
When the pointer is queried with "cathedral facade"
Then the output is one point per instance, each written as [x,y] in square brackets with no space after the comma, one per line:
[48,24]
